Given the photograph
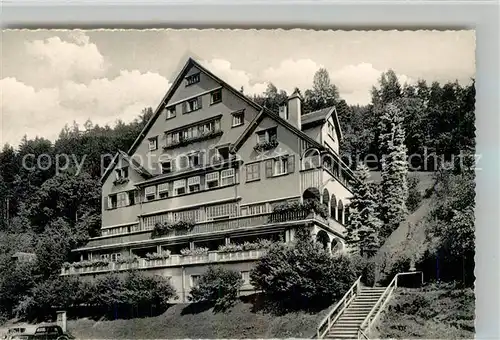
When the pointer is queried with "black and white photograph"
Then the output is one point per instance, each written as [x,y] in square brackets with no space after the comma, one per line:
[237,184]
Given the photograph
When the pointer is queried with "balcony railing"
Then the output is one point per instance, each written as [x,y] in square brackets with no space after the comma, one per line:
[172,260]
[234,223]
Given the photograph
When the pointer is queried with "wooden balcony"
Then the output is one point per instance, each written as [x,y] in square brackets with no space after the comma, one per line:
[142,234]
[171,261]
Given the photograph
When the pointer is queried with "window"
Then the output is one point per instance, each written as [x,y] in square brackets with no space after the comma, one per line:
[131,197]
[221,211]
[331,130]
[223,152]
[192,105]
[153,143]
[195,280]
[194,160]
[163,190]
[170,112]
[112,202]
[245,276]
[216,96]
[166,167]
[212,180]
[227,177]
[122,199]
[180,187]
[256,209]
[253,172]
[122,173]
[269,135]
[238,118]
[194,184]
[115,256]
[150,193]
[280,166]
[192,79]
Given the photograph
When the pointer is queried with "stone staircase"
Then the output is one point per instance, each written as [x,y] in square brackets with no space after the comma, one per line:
[349,322]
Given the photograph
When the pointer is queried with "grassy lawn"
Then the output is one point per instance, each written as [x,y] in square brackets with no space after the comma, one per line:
[433,312]
[195,321]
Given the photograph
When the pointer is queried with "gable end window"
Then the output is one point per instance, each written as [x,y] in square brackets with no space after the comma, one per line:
[121,173]
[153,143]
[238,118]
[269,135]
[170,112]
[193,79]
[216,97]
[192,105]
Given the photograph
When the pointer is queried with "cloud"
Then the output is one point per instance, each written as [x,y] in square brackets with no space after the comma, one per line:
[236,78]
[78,60]
[355,82]
[44,112]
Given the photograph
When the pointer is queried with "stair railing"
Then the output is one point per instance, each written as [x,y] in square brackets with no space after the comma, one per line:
[367,323]
[338,309]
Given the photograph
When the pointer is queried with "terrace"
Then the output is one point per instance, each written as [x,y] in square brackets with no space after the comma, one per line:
[168,261]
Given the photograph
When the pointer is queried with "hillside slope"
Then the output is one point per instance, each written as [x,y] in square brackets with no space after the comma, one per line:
[433,312]
[408,241]
[180,322]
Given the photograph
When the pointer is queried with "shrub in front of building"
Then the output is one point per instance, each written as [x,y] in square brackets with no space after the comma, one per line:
[303,275]
[219,286]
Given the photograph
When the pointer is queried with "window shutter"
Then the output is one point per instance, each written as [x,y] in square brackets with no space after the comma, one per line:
[184,107]
[199,102]
[246,173]
[110,205]
[127,199]
[136,196]
[291,164]
[269,168]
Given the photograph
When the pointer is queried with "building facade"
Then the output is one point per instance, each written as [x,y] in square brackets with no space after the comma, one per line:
[207,173]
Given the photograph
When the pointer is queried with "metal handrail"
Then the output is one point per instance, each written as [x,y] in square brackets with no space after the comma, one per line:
[368,321]
[352,292]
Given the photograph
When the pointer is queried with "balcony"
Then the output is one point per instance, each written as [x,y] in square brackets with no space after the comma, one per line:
[171,261]
[186,141]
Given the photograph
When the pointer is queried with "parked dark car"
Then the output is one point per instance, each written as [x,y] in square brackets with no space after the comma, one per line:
[46,332]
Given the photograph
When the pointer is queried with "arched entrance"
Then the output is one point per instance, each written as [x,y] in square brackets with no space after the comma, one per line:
[326,199]
[311,194]
[322,238]
[311,159]
[333,207]
[337,246]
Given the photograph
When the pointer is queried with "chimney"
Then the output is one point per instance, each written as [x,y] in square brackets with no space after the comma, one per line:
[294,109]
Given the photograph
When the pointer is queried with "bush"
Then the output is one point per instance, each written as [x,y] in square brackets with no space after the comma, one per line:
[218,285]
[414,196]
[303,275]
[366,268]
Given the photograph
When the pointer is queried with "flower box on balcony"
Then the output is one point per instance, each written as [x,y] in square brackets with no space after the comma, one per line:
[165,228]
[266,146]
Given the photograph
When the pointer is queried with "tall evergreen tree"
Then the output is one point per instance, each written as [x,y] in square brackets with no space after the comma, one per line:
[363,225]
[394,190]
[323,93]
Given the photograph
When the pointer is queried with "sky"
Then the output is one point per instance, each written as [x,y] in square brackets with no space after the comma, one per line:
[50,78]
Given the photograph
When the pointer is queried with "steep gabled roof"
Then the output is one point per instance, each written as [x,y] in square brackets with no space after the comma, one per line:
[267,113]
[136,166]
[319,117]
[178,80]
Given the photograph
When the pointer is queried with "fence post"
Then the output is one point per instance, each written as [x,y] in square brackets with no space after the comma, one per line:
[61,319]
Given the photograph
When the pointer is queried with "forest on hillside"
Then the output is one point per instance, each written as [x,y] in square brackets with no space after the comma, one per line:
[49,213]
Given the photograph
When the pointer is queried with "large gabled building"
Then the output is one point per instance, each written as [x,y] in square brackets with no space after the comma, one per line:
[207,171]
